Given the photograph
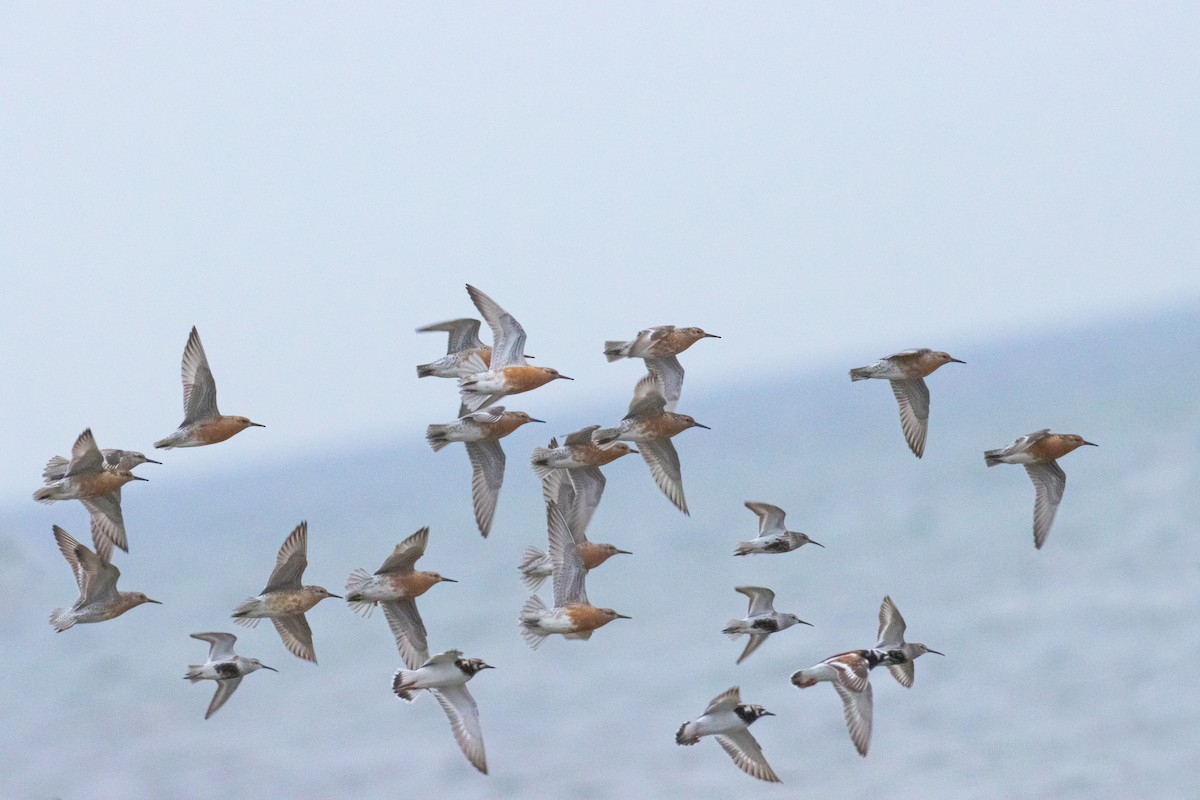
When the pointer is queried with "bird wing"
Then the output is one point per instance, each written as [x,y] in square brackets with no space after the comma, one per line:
[1049,480]
[857,707]
[569,572]
[508,337]
[913,397]
[199,388]
[448,657]
[409,630]
[487,474]
[56,469]
[296,635]
[485,415]
[67,545]
[85,455]
[762,600]
[225,689]
[669,374]
[108,523]
[291,561]
[406,553]
[220,645]
[756,640]
[647,397]
[903,673]
[891,626]
[464,334]
[743,748]
[770,518]
[582,436]
[588,485]
[460,707]
[725,701]
[660,456]
[99,577]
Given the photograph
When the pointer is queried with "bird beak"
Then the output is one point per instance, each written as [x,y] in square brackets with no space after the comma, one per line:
[710,336]
[258,425]
[140,478]
[338,596]
[156,602]
[1093,444]
[631,450]
[957,361]
[934,651]
[529,356]
[152,461]
[486,666]
[565,378]
[698,425]
[818,544]
[449,580]
[622,616]
[626,552]
[264,666]
[531,419]
[765,712]
[809,624]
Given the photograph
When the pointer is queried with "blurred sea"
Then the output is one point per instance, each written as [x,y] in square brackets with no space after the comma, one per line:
[1067,671]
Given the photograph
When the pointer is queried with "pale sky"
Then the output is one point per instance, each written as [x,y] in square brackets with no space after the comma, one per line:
[821,185]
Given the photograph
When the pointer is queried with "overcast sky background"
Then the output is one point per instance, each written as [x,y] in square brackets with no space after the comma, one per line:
[821,185]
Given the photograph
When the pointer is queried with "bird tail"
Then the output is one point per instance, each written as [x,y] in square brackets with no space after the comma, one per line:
[733,629]
[992,457]
[743,549]
[860,374]
[61,619]
[193,673]
[603,436]
[355,584]
[45,495]
[166,443]
[530,614]
[436,436]
[539,460]
[529,559]
[401,685]
[56,468]
[424,370]
[244,608]
[801,679]
[682,738]
[615,351]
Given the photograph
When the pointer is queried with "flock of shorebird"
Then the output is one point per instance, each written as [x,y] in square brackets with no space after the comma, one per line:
[572,486]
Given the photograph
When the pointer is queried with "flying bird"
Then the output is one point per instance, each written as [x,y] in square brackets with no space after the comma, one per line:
[481,432]
[445,676]
[202,422]
[94,477]
[223,666]
[659,346]
[729,719]
[907,371]
[462,343]
[651,426]
[508,372]
[761,619]
[395,586]
[773,535]
[850,675]
[96,578]
[1039,452]
[283,600]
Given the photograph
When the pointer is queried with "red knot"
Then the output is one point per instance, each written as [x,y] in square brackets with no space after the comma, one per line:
[907,371]
[1039,452]
[202,422]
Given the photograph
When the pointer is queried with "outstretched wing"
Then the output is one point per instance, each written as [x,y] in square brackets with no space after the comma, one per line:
[1049,480]
[291,561]
[913,397]
[891,626]
[508,337]
[409,631]
[743,748]
[487,475]
[770,518]
[663,461]
[296,635]
[406,553]
[460,707]
[199,388]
